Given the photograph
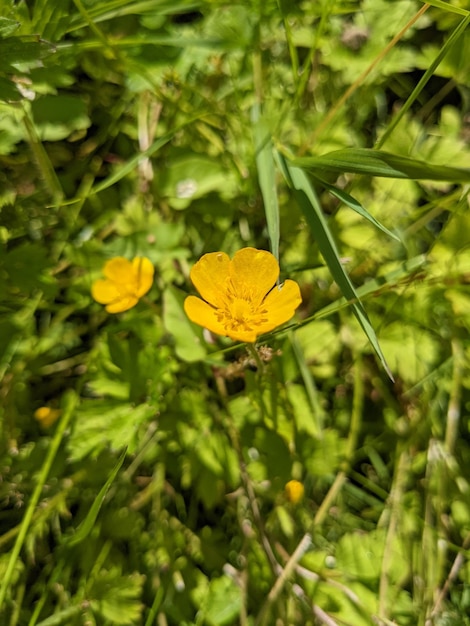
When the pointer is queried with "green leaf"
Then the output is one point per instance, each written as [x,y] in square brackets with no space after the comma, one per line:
[25,269]
[306,420]
[412,351]
[116,597]
[361,556]
[353,204]
[379,163]
[18,50]
[107,424]
[224,602]
[324,459]
[187,337]
[194,176]
[310,206]
[266,177]
[7,26]
[86,526]
[8,90]
[57,117]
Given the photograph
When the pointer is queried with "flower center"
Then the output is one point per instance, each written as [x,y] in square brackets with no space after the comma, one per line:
[239,314]
[128,287]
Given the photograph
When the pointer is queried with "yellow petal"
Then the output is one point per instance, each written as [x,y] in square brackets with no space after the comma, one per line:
[105,291]
[283,297]
[124,303]
[203,314]
[210,275]
[119,270]
[253,273]
[143,271]
[247,336]
[280,305]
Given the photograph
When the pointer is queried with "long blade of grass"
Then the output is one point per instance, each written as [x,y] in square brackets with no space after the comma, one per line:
[424,79]
[439,4]
[120,8]
[172,41]
[310,207]
[69,402]
[356,206]
[379,163]
[41,157]
[266,177]
[124,169]
[86,526]
[132,163]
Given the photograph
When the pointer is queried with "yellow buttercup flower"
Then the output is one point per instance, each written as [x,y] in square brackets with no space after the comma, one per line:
[125,283]
[294,491]
[240,297]
[46,416]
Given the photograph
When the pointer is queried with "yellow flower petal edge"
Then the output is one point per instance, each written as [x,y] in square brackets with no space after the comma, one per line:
[239,297]
[124,284]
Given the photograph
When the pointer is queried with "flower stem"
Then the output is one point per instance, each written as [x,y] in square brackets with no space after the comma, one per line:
[255,354]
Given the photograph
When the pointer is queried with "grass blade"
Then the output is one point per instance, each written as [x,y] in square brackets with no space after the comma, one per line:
[86,526]
[424,79]
[132,163]
[439,4]
[356,206]
[379,163]
[310,207]
[266,177]
[69,402]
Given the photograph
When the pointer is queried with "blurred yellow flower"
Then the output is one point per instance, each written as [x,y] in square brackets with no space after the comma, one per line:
[240,298]
[294,491]
[46,416]
[125,283]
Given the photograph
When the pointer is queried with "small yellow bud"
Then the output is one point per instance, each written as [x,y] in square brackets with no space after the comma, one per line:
[294,491]
[46,416]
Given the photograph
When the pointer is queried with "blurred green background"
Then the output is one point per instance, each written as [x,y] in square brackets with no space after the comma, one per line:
[143,463]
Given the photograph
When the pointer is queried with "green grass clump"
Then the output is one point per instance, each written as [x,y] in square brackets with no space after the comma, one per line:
[144,462]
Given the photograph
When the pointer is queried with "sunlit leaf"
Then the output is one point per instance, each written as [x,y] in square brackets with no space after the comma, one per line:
[187,337]
[224,602]
[117,598]
[7,26]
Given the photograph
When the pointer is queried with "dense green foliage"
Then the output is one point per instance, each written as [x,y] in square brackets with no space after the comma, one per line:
[333,133]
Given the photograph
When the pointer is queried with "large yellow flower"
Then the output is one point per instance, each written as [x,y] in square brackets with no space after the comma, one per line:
[126,282]
[241,300]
